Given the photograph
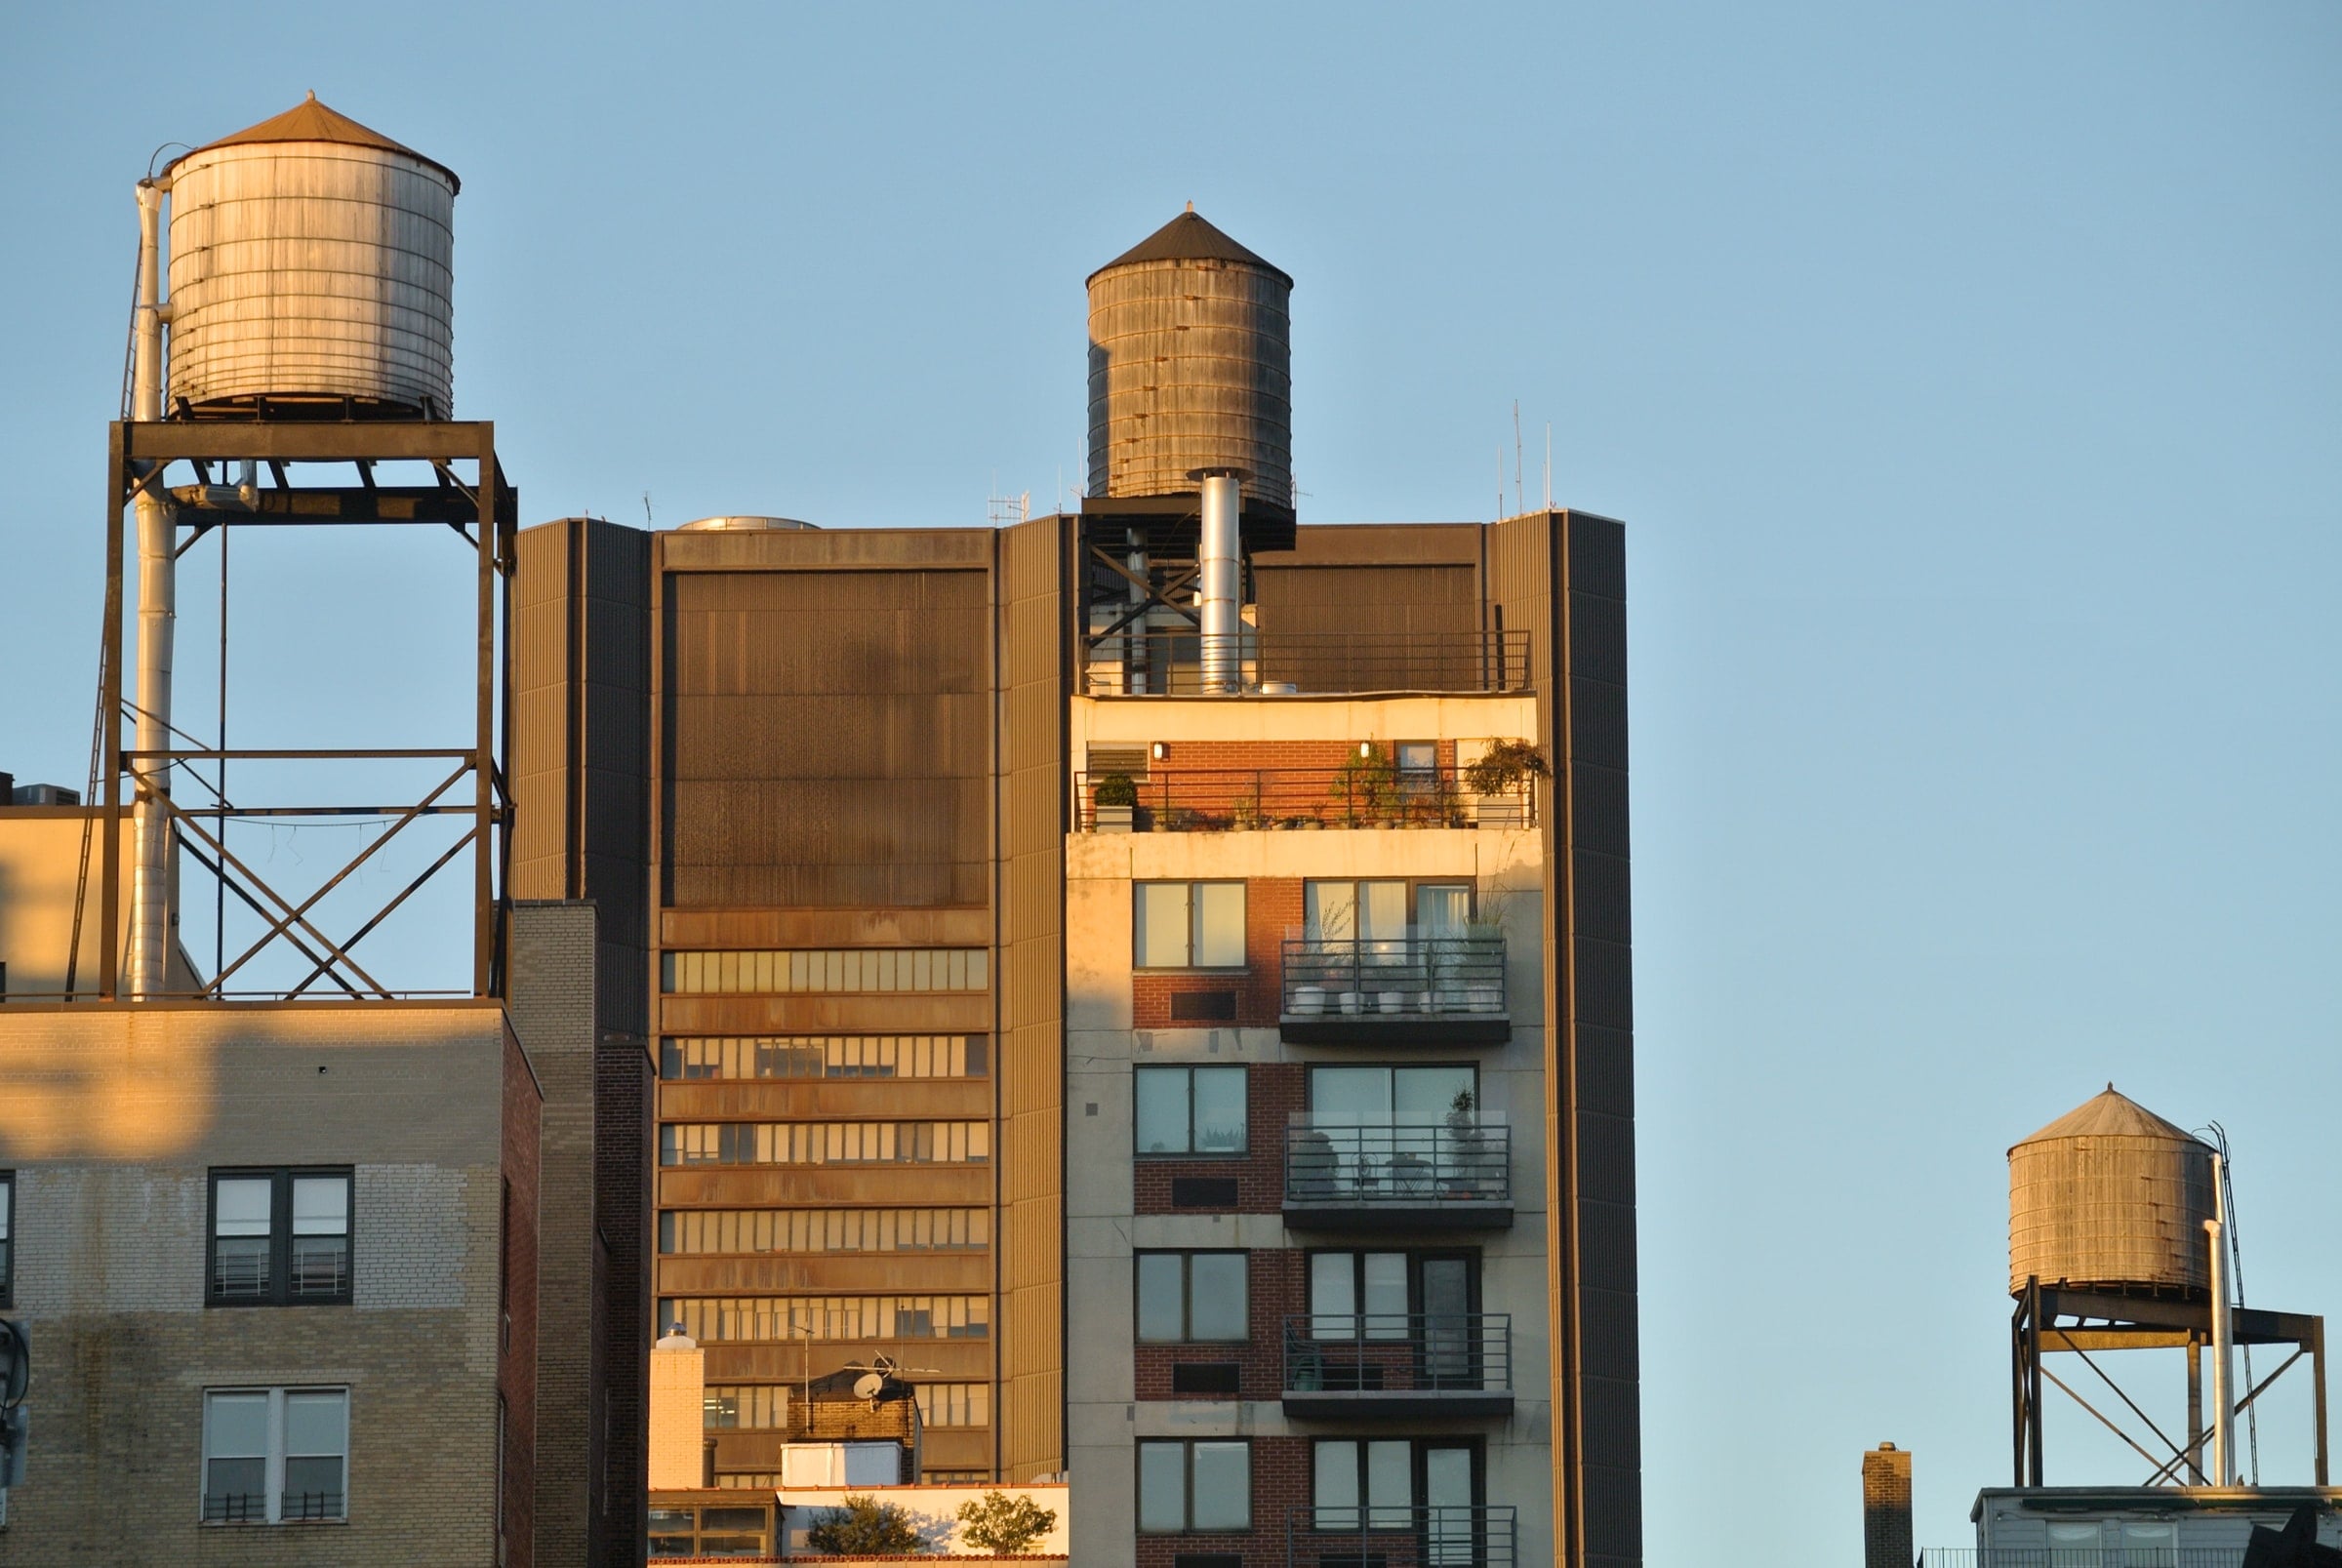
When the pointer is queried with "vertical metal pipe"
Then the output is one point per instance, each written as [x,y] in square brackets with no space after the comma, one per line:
[158,612]
[2224,1406]
[1217,557]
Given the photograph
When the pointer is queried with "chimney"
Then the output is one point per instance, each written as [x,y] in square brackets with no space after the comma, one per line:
[678,1413]
[1886,1507]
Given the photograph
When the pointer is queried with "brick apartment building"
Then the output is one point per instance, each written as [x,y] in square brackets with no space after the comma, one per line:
[1083,962]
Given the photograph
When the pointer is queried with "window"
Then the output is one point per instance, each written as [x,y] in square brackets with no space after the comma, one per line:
[1194,1486]
[274,1456]
[8,1220]
[828,1317]
[279,1237]
[758,1405]
[1188,925]
[1192,1297]
[1391,1097]
[1429,1298]
[1396,1484]
[688,1231]
[1384,912]
[814,1142]
[1188,1110]
[834,969]
[826,1055]
[730,1531]
[955,1404]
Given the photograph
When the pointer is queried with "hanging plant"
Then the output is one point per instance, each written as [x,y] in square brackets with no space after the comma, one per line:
[1504,766]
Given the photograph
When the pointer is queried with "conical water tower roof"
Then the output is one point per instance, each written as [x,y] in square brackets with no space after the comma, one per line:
[312,121]
[1189,238]
[2109,1115]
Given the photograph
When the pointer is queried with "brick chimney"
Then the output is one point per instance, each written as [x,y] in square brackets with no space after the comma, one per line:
[1886,1507]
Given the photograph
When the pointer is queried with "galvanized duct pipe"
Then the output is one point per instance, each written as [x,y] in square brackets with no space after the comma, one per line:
[1217,557]
[158,611]
[2224,1398]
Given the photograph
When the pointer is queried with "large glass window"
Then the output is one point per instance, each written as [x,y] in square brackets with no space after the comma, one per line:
[826,1055]
[687,1231]
[276,1455]
[1382,911]
[1188,925]
[813,1142]
[1194,1486]
[1192,1297]
[1391,1097]
[828,1317]
[830,969]
[279,1237]
[1188,1110]
[733,1530]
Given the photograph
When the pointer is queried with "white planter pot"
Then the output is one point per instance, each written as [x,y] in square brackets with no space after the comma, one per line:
[1112,819]
[1308,1001]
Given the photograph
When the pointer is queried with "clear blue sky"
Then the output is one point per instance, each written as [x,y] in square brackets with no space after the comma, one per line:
[1970,378]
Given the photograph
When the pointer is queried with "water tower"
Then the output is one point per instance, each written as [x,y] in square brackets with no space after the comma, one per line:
[298,372]
[1191,456]
[2118,1240]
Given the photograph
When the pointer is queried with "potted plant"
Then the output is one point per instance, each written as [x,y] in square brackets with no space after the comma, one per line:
[1366,788]
[1499,777]
[1310,1165]
[1249,818]
[1114,800]
[1469,1159]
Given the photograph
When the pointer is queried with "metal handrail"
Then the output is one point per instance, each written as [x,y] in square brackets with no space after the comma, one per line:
[309,1506]
[1399,1352]
[1402,1537]
[1407,1164]
[1321,662]
[234,1507]
[2082,1558]
[1207,800]
[1457,975]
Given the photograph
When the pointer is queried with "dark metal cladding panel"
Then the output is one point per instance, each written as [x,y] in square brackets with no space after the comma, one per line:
[1599,886]
[1605,985]
[1601,816]
[1605,1070]
[1597,555]
[614,766]
[828,738]
[1606,1174]
[1318,599]
[1597,637]
[1034,634]
[1597,723]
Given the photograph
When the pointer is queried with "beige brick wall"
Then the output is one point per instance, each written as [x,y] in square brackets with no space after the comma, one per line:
[112,1116]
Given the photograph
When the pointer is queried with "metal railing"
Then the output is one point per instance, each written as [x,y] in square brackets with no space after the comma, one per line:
[1393,1537]
[320,1268]
[235,1507]
[1218,800]
[2082,1558]
[1170,663]
[309,1506]
[1404,1165]
[1399,1352]
[243,1268]
[1457,975]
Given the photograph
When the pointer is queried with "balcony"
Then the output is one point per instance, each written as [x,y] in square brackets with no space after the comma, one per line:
[1372,793]
[2123,1557]
[1440,1175]
[1285,664]
[1395,1537]
[1397,1366]
[1422,988]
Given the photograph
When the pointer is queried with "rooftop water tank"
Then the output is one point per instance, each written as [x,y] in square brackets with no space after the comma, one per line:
[311,260]
[2109,1195]
[1190,367]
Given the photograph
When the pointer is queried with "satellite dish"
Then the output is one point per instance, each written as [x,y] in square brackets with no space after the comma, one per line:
[867,1386]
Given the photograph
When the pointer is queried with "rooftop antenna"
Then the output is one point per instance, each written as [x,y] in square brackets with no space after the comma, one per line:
[1520,503]
[646,509]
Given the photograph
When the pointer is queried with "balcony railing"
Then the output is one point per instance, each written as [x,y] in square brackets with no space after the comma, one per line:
[1369,1365]
[1274,663]
[1220,801]
[1455,1174]
[1385,1536]
[1420,989]
[2128,1556]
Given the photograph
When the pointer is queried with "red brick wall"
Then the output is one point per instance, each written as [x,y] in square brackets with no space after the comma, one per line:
[516,1372]
[1276,1285]
[1273,906]
[1272,1091]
